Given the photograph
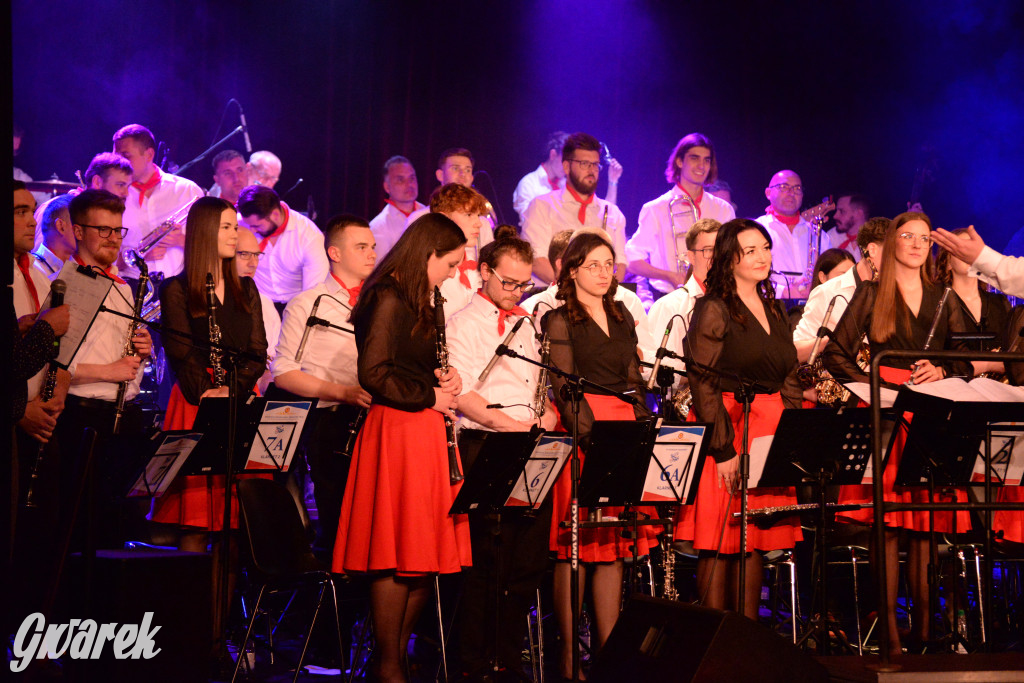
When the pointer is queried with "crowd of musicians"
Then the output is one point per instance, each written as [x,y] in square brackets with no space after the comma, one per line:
[401,364]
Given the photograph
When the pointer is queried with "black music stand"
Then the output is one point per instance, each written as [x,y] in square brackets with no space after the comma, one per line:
[497,460]
[166,454]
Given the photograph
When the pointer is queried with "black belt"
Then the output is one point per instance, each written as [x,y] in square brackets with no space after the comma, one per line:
[91,403]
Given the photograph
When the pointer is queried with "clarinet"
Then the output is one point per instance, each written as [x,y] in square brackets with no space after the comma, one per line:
[353,432]
[935,324]
[454,474]
[216,355]
[129,348]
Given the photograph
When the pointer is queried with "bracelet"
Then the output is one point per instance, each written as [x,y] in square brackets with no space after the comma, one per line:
[613,182]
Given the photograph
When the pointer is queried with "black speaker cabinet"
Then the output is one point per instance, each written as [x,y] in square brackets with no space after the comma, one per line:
[664,640]
[173,585]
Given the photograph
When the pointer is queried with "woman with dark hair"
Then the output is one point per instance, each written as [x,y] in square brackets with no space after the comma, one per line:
[831,264]
[741,331]
[594,336]
[195,503]
[394,523]
[896,312]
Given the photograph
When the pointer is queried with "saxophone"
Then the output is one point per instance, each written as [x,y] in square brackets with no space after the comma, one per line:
[454,474]
[540,398]
[216,354]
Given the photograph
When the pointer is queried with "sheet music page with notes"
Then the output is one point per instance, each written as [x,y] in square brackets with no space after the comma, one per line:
[85,294]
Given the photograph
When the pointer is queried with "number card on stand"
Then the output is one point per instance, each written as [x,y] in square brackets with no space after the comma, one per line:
[1007,455]
[540,471]
[676,464]
[165,464]
[277,435]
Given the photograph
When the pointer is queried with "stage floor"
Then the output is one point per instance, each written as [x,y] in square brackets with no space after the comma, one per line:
[980,667]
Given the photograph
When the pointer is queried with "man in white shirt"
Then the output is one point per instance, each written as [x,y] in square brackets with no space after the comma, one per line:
[1006,273]
[575,207]
[790,235]
[870,238]
[401,189]
[154,197]
[293,255]
[656,251]
[230,175]
[514,550]
[466,207]
[264,168]
[547,177]
[456,166]
[700,247]
[247,260]
[327,369]
[111,172]
[58,237]
[852,211]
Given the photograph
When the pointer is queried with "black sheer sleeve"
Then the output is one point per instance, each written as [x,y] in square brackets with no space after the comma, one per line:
[556,324]
[704,343]
[383,331]
[634,377]
[956,324]
[250,370]
[188,361]
[1013,342]
[840,354]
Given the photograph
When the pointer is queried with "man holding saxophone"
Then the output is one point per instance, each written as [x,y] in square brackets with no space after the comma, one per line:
[154,197]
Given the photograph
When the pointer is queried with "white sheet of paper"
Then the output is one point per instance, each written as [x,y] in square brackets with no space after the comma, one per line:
[164,466]
[280,426]
[676,449]
[862,390]
[541,470]
[759,447]
[84,295]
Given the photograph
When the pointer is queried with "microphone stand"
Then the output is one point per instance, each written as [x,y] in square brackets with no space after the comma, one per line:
[574,392]
[203,155]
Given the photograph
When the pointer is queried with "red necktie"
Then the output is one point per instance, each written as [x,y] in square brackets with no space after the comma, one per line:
[143,188]
[582,215]
[23,266]
[696,202]
[785,220]
[353,293]
[463,267]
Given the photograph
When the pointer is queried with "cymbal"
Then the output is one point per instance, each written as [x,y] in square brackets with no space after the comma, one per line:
[55,186]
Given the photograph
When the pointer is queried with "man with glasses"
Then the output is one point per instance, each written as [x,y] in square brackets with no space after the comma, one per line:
[456,166]
[247,259]
[516,547]
[656,251]
[575,207]
[790,235]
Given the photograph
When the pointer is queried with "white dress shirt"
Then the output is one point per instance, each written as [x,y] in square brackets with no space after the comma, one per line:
[790,251]
[677,302]
[473,336]
[486,232]
[661,243]
[839,240]
[46,262]
[387,226]
[457,295]
[532,185]
[24,304]
[295,262]
[329,354]
[817,303]
[556,211]
[160,203]
[271,324]
[1005,273]
[104,344]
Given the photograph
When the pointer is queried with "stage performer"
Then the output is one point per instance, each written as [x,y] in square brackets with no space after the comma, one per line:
[395,524]
[401,188]
[738,329]
[467,208]
[456,166]
[594,336]
[896,312]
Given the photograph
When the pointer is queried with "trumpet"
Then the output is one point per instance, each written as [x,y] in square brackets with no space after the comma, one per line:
[132,257]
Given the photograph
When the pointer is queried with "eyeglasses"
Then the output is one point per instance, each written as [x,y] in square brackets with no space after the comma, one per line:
[105,230]
[248,255]
[587,165]
[706,252]
[786,187]
[909,238]
[596,268]
[512,285]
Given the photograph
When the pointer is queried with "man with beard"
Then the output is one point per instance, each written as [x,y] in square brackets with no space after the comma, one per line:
[575,207]
[852,211]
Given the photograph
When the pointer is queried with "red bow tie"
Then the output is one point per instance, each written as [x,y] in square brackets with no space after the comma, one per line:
[466,264]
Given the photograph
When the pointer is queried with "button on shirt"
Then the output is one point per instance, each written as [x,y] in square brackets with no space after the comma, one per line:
[790,250]
[24,304]
[160,203]
[660,241]
[677,302]
[556,211]
[329,354]
[295,262]
[387,226]
[473,336]
[531,186]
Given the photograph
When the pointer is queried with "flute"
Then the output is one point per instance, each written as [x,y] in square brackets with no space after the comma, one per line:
[931,330]
[454,474]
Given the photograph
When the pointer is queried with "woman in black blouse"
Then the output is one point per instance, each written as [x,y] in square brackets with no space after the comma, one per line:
[394,519]
[740,330]
[896,312]
[594,336]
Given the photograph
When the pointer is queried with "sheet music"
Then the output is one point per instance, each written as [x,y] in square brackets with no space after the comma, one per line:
[277,435]
[163,467]
[862,390]
[981,390]
[85,294]
[540,470]
[675,449]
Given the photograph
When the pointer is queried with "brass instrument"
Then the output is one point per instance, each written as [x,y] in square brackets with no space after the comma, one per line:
[216,354]
[133,256]
[691,210]
[454,473]
[129,348]
[540,398]
[682,401]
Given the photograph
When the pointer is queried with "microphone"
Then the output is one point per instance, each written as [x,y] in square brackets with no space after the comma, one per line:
[289,190]
[57,289]
[310,322]
[502,348]
[245,129]
[822,331]
[660,355]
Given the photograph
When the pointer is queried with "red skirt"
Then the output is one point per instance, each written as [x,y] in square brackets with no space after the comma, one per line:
[197,500]
[604,544]
[906,519]
[702,521]
[394,515]
[1010,522]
